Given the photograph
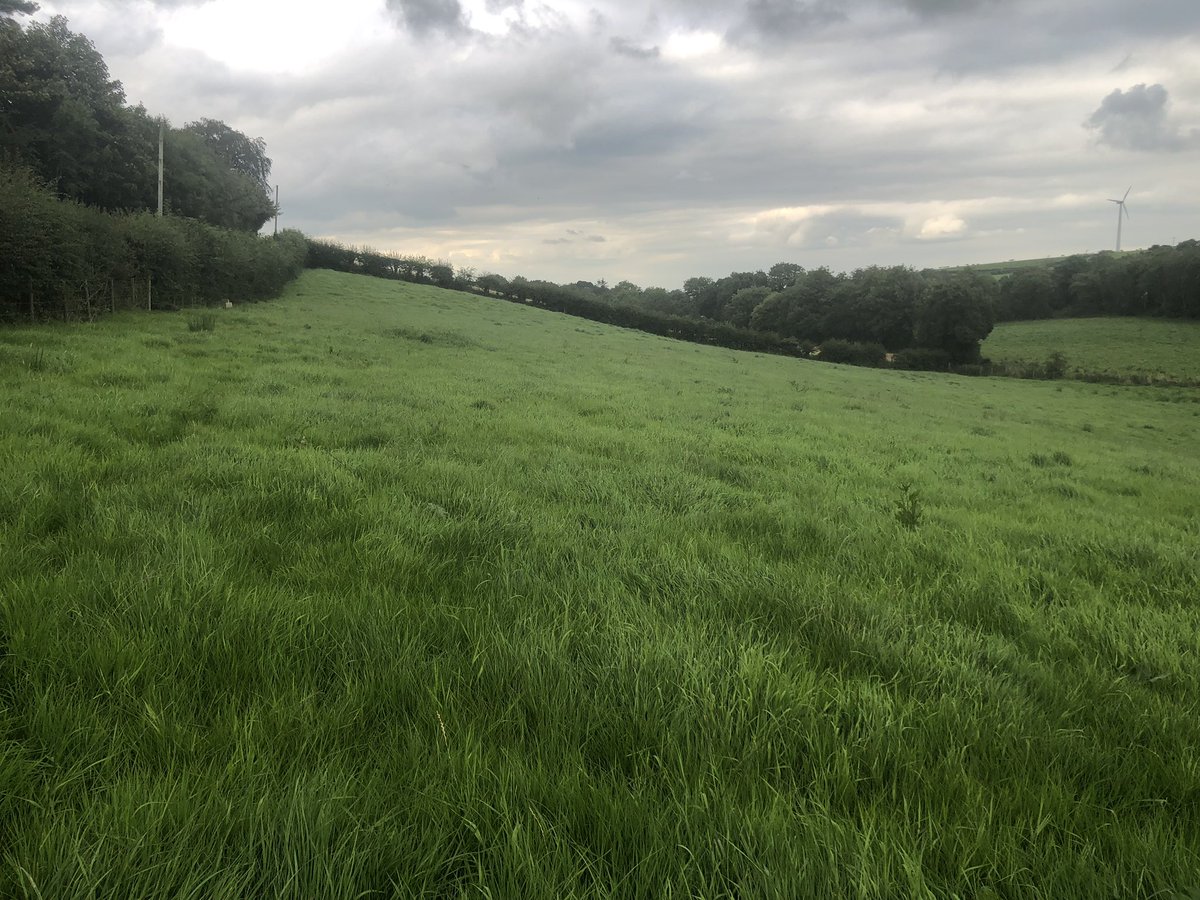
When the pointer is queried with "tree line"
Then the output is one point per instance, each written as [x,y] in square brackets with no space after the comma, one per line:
[63,118]
[872,317]
[1161,281]
[896,315]
[78,178]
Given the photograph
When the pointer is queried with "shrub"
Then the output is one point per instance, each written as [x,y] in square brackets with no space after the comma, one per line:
[853,352]
[923,358]
[1055,365]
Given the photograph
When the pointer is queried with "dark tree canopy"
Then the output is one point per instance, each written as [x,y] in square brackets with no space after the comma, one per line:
[63,117]
[954,315]
[239,152]
[17,8]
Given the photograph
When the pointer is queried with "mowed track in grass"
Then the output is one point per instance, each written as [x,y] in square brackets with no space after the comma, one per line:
[381,590]
[1157,348]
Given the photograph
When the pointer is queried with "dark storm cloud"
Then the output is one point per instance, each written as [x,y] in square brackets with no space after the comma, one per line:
[426,16]
[1137,119]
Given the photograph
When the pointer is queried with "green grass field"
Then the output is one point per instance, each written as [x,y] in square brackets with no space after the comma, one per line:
[1155,348]
[1001,269]
[380,590]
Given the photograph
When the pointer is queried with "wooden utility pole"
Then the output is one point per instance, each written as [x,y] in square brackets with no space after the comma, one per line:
[276,209]
[160,168]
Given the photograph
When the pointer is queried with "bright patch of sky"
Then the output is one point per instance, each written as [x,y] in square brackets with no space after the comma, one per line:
[265,36]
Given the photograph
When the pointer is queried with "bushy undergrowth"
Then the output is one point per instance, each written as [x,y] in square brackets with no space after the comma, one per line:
[64,260]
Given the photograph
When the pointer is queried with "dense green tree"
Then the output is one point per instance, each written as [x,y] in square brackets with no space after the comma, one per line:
[1027,294]
[804,307]
[66,119]
[492,283]
[1063,272]
[625,292]
[887,299]
[954,314]
[783,275]
[63,116]
[771,314]
[741,305]
[199,184]
[237,151]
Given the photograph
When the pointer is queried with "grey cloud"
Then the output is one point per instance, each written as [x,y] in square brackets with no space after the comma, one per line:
[778,21]
[563,121]
[998,35]
[1136,119]
[426,16]
[633,51]
[590,239]
[933,8]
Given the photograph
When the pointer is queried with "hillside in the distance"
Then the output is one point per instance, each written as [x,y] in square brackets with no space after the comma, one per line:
[1166,348]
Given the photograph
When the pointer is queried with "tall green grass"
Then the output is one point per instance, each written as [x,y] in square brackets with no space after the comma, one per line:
[381,590]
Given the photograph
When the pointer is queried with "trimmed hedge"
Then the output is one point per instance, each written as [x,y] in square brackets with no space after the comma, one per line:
[59,259]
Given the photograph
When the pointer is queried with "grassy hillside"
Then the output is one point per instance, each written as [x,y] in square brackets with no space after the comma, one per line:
[380,590]
[1143,347]
[1000,269]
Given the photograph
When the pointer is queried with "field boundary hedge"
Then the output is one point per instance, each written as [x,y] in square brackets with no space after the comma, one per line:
[62,260]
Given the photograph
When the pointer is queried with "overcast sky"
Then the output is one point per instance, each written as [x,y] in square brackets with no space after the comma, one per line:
[656,141]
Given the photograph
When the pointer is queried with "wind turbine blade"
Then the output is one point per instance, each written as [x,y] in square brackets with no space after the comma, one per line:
[1127,190]
[1126,210]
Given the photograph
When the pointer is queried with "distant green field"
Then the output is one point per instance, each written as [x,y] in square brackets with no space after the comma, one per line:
[385,591]
[1000,269]
[1122,346]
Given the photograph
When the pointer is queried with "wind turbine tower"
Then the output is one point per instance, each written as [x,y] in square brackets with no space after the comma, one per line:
[1121,211]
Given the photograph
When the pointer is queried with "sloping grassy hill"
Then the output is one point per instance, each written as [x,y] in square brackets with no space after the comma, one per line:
[380,590]
[1155,348]
[1008,267]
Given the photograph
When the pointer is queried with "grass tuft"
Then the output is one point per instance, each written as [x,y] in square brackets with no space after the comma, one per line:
[205,320]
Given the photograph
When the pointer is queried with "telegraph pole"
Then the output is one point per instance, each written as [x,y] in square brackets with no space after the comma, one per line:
[276,210]
[160,168]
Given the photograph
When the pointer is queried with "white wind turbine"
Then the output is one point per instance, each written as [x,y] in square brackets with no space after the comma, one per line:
[1121,211]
